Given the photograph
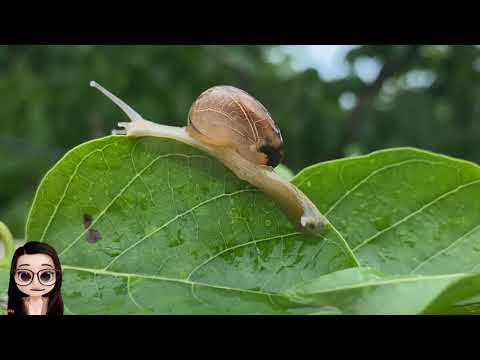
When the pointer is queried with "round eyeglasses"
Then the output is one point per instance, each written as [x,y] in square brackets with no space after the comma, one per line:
[46,277]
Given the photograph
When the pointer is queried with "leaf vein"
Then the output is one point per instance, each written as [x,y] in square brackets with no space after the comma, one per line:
[120,193]
[239,246]
[368,177]
[172,220]
[62,197]
[444,195]
[130,295]
[455,243]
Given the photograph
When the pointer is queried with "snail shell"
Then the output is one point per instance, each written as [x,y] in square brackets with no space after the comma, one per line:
[228,116]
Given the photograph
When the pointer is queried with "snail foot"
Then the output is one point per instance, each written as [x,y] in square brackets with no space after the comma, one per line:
[132,128]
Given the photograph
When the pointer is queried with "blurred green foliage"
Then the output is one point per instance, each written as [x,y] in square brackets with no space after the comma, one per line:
[47,106]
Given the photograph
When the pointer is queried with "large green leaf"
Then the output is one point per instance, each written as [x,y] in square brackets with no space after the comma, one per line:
[461,297]
[7,245]
[173,231]
[367,291]
[403,210]
[150,225]
[4,278]
[7,248]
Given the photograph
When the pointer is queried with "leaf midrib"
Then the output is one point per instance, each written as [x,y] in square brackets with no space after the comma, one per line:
[163,278]
[389,282]
[392,282]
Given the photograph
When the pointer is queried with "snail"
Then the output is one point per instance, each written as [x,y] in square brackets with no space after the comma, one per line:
[235,128]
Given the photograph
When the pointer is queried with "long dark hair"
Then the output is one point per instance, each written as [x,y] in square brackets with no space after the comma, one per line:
[15,296]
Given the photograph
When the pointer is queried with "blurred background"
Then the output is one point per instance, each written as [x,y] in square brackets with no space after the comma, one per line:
[330,101]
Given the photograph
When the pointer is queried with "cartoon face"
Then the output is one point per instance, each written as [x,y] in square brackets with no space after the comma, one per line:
[35,275]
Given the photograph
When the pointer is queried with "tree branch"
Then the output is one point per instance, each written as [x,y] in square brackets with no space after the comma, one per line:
[355,120]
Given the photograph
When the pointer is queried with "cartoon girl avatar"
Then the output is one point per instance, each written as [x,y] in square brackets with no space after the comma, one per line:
[35,281]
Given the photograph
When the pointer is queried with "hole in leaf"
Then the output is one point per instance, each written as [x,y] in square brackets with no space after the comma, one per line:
[92,235]
[87,220]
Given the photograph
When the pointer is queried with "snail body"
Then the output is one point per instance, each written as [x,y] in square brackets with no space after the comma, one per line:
[235,128]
